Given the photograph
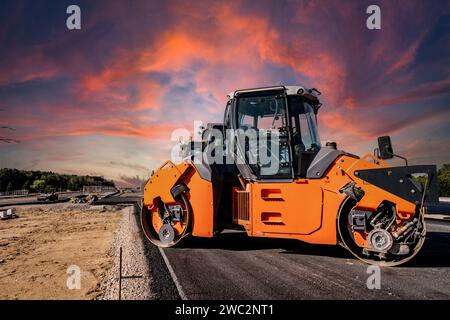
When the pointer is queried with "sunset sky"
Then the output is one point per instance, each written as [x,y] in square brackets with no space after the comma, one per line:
[105,99]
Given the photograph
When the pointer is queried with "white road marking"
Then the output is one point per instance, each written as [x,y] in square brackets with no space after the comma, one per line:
[173,275]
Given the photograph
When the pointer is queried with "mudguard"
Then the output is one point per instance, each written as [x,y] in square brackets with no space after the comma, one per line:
[399,181]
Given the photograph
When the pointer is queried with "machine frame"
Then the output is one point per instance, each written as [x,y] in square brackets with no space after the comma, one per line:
[374,210]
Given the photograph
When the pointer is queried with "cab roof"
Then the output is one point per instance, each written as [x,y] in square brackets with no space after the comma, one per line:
[311,93]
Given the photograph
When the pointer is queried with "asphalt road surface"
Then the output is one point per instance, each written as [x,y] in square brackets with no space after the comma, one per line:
[4,202]
[234,266]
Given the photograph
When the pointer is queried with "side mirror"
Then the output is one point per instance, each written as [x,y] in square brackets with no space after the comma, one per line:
[385,147]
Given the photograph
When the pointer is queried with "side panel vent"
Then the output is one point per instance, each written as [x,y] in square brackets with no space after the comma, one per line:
[241,206]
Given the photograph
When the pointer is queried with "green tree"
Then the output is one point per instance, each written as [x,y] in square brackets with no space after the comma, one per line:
[39,185]
[444,181]
[9,188]
[74,183]
[26,185]
[40,181]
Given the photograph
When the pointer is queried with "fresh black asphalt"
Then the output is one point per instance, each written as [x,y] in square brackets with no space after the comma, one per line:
[234,266]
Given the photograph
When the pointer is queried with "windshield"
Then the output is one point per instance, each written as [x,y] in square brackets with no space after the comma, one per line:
[261,113]
[304,127]
[275,136]
[263,119]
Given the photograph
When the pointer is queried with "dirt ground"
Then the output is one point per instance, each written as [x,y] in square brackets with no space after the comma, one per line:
[37,248]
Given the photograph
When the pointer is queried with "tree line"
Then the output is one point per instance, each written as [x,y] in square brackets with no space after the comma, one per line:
[43,181]
[444,181]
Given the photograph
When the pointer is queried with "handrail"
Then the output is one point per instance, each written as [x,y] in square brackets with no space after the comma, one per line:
[376,160]
[165,164]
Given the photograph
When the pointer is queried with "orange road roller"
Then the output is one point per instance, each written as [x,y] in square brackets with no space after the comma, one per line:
[264,171]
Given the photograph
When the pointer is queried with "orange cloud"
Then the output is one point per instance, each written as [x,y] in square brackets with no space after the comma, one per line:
[175,61]
[110,85]
[34,66]
[407,57]
[151,133]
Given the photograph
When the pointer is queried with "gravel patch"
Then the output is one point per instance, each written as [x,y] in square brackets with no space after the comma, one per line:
[134,263]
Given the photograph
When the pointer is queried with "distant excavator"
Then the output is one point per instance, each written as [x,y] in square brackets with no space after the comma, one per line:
[305,191]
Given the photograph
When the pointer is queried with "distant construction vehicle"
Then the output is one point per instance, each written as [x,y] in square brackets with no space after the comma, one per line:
[317,194]
[48,197]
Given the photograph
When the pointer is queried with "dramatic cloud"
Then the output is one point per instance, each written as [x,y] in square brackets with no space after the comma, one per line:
[105,99]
